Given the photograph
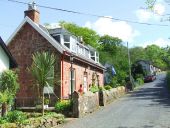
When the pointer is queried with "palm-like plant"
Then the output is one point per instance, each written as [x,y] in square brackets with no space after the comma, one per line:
[42,70]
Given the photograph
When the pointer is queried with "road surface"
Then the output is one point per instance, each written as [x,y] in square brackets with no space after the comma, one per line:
[148,107]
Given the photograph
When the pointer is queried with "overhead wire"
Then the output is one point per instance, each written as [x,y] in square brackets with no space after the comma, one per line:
[90,14]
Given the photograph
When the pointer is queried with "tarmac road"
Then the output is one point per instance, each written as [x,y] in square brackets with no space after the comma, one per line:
[148,107]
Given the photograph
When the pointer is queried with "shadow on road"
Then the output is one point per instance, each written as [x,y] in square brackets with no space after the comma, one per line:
[156,91]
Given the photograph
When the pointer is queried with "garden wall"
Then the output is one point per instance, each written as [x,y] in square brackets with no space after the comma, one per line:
[89,102]
[108,96]
[86,103]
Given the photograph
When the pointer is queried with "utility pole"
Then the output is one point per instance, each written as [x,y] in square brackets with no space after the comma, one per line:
[130,75]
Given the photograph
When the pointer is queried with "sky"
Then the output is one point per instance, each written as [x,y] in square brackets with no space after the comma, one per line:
[135,34]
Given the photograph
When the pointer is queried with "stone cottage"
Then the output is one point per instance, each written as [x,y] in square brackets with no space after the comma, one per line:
[6,59]
[72,57]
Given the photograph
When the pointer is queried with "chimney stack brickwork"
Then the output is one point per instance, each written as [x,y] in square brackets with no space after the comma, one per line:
[33,13]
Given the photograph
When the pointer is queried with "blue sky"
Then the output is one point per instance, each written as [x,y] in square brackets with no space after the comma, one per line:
[12,15]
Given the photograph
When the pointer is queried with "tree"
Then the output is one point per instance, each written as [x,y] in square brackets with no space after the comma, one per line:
[113,52]
[8,89]
[42,69]
[137,69]
[156,55]
[137,53]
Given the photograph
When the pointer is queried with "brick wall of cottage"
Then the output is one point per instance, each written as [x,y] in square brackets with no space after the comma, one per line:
[29,41]
[24,44]
[79,68]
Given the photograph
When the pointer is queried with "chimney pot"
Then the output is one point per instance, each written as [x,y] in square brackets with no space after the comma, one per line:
[32,12]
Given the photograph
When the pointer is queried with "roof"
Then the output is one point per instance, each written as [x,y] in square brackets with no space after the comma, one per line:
[145,61]
[39,29]
[46,34]
[12,62]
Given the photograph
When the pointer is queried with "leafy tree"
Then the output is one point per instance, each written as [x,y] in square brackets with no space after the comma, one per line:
[42,70]
[150,4]
[137,53]
[113,52]
[136,70]
[8,89]
[156,55]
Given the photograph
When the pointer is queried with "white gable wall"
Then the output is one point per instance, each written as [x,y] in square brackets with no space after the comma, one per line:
[4,60]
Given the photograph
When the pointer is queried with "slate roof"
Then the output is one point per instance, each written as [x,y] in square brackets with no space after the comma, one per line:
[12,61]
[46,34]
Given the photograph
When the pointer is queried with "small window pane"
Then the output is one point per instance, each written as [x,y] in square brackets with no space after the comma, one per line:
[67,45]
[97,54]
[87,52]
[93,58]
[92,53]
[57,38]
[66,38]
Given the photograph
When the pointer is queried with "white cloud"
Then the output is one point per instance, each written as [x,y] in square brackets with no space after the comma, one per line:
[159,9]
[145,15]
[120,29]
[160,42]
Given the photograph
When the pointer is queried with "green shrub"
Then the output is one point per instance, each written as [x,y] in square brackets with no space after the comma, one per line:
[16,116]
[107,87]
[101,88]
[33,115]
[3,120]
[94,88]
[63,106]
[140,81]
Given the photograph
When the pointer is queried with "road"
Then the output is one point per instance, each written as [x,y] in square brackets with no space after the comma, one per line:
[148,107]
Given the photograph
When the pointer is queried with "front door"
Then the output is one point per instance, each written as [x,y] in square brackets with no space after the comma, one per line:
[85,82]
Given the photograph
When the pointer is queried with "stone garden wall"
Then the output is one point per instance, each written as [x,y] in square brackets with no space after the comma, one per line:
[86,103]
[108,96]
[89,102]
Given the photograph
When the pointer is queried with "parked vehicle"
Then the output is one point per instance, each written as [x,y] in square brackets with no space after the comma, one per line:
[149,78]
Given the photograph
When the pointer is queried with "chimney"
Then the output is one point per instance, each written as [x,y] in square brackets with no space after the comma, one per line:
[32,12]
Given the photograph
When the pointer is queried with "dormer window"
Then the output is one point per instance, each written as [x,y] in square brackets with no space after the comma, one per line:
[94,56]
[66,38]
[57,38]
[86,52]
[67,41]
[80,49]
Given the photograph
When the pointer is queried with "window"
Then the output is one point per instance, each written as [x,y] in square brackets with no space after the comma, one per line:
[72,80]
[80,49]
[66,38]
[85,82]
[57,38]
[97,57]
[67,41]
[74,46]
[92,54]
[87,53]
[67,45]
